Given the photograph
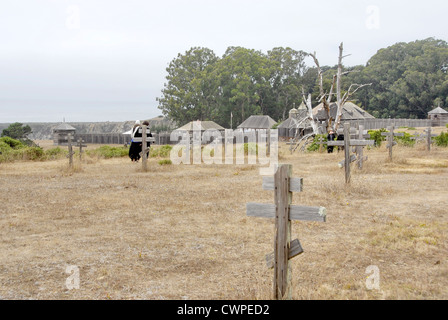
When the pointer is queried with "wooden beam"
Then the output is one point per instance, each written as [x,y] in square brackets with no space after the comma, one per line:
[294,250]
[283,231]
[300,213]
[295,184]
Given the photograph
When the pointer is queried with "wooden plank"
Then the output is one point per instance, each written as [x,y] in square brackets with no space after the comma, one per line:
[300,213]
[347,151]
[294,250]
[144,146]
[306,213]
[335,143]
[342,163]
[283,230]
[260,210]
[295,184]
[353,142]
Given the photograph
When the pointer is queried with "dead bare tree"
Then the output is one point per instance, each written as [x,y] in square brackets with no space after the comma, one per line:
[326,99]
[340,99]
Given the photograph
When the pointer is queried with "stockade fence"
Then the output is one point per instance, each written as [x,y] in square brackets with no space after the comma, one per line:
[374,124]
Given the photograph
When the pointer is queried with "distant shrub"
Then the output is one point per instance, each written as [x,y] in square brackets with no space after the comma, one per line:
[55,153]
[405,140]
[441,140]
[377,137]
[315,145]
[109,152]
[12,143]
[32,153]
[165,162]
[161,151]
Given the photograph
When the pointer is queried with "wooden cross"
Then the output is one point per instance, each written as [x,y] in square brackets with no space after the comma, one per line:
[284,249]
[145,148]
[80,145]
[418,137]
[70,150]
[347,143]
[359,149]
[390,139]
[428,137]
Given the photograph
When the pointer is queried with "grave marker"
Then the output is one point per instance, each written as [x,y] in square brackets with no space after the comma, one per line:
[71,153]
[81,145]
[347,143]
[284,249]
[390,139]
[428,137]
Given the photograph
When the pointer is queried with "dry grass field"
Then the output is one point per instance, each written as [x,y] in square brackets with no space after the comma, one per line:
[181,231]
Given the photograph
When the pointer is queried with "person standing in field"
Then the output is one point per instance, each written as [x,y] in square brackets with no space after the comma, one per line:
[136,143]
[330,137]
[134,152]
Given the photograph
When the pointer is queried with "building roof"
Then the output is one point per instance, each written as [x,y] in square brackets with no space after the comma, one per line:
[350,111]
[204,125]
[293,123]
[437,110]
[64,127]
[257,122]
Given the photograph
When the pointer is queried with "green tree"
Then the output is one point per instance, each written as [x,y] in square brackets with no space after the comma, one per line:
[288,70]
[408,79]
[189,93]
[17,131]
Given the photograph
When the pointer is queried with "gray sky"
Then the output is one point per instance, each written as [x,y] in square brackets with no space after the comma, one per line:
[105,60]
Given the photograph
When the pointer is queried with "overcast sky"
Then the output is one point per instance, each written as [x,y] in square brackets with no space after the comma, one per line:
[105,60]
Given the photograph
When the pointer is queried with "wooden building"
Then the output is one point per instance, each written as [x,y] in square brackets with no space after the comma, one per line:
[257,122]
[438,117]
[61,132]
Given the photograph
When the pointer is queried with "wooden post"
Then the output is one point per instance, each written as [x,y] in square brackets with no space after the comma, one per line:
[360,149]
[429,137]
[284,249]
[390,139]
[283,230]
[347,143]
[347,151]
[70,150]
[80,145]
[144,149]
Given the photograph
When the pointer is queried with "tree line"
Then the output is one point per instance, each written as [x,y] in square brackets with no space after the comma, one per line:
[407,81]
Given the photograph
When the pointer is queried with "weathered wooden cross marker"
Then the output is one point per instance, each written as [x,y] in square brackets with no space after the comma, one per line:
[145,148]
[428,137]
[284,249]
[80,145]
[390,139]
[425,137]
[347,143]
[70,150]
[359,149]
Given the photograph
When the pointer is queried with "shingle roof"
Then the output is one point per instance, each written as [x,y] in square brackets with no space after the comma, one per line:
[204,125]
[257,122]
[64,126]
[350,111]
[437,110]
